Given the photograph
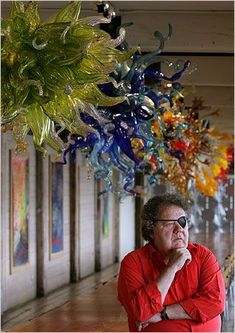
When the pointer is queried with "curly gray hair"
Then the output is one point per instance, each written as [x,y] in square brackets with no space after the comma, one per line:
[153,208]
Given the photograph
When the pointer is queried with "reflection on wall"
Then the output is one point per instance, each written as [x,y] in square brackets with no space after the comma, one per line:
[208,214]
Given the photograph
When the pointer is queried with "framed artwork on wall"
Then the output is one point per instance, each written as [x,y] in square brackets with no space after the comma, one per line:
[19,211]
[56,220]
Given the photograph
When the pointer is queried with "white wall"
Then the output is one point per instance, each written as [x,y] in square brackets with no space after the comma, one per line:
[86,221]
[127,226]
[20,286]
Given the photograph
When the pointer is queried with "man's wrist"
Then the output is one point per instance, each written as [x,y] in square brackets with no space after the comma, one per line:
[175,311]
[172,269]
[163,314]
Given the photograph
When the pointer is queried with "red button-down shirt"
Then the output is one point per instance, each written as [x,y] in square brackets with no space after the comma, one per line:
[198,287]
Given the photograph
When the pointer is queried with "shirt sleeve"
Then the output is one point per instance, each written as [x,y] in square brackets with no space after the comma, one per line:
[209,300]
[140,300]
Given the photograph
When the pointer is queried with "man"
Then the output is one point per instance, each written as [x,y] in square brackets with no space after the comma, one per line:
[170,285]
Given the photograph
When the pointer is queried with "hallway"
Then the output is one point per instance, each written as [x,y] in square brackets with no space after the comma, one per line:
[91,304]
[106,104]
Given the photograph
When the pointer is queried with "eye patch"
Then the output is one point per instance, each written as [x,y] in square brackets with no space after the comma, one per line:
[182,220]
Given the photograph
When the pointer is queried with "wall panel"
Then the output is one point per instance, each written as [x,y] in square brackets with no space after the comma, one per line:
[86,220]
[20,285]
[56,267]
[127,226]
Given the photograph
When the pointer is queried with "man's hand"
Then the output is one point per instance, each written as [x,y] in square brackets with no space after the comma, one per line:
[154,319]
[141,326]
[178,258]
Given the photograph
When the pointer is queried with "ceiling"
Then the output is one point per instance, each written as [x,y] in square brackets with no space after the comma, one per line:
[203,32]
[143,5]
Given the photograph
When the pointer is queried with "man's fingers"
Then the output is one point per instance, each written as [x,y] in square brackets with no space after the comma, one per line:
[186,252]
[139,326]
[189,259]
[145,325]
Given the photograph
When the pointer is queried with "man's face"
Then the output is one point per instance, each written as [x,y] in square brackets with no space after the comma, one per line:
[169,235]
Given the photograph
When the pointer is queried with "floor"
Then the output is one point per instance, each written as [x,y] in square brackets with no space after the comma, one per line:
[97,311]
[91,304]
[37,308]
